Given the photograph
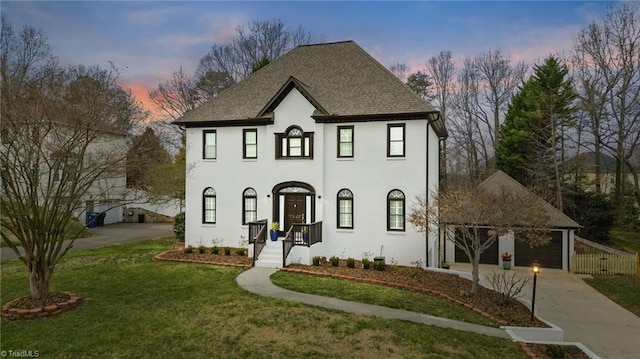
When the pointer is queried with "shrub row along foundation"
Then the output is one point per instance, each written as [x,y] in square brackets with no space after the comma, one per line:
[14,313]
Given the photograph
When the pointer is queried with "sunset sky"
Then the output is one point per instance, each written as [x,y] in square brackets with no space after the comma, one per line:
[148,40]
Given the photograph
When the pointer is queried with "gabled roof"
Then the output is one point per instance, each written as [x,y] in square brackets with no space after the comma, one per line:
[340,79]
[500,180]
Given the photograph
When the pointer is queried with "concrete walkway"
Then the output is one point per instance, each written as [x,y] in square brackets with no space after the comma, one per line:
[256,280]
[584,314]
[110,235]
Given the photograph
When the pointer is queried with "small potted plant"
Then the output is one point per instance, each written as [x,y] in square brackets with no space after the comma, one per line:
[275,226]
[506,260]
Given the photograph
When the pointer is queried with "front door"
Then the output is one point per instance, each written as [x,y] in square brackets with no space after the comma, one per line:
[294,211]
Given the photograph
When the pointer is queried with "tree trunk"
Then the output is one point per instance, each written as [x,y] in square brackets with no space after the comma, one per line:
[39,276]
[475,273]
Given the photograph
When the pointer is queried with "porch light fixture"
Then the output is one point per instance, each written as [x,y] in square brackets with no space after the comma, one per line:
[535,269]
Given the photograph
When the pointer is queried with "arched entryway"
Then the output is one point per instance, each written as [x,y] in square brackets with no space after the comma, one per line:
[293,202]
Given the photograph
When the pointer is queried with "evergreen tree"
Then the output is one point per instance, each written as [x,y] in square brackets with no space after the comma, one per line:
[145,154]
[530,135]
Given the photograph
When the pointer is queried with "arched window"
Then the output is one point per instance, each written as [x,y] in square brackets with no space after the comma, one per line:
[345,208]
[395,211]
[294,143]
[249,205]
[209,205]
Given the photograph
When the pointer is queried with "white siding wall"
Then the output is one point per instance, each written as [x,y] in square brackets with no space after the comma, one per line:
[370,175]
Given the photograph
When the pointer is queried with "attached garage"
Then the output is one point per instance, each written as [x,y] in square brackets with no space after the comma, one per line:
[489,256]
[548,256]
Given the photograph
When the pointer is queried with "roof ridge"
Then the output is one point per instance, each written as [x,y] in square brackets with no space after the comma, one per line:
[326,43]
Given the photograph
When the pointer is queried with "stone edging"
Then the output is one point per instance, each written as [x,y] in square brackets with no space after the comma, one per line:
[401,286]
[44,312]
[159,258]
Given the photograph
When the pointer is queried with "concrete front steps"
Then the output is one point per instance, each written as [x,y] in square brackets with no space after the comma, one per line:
[271,255]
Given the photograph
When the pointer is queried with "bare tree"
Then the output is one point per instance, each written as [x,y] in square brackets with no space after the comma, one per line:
[177,95]
[399,70]
[268,39]
[612,48]
[498,79]
[63,137]
[442,70]
[470,210]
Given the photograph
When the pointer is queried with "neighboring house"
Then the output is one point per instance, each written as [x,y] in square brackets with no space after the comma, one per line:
[556,254]
[582,171]
[327,135]
[107,193]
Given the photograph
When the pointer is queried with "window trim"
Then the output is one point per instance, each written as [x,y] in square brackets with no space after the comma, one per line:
[245,144]
[204,205]
[246,196]
[404,209]
[285,137]
[339,142]
[204,144]
[344,198]
[404,139]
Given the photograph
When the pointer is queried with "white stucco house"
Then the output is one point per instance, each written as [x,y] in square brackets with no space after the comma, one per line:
[323,140]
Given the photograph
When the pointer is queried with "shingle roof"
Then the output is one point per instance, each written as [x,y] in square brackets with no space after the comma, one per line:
[500,180]
[340,79]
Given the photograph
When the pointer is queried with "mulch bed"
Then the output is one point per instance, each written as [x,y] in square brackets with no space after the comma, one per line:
[29,308]
[232,259]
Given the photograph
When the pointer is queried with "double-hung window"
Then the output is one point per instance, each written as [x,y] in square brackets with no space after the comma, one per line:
[249,205]
[250,143]
[209,205]
[395,211]
[209,151]
[345,208]
[345,141]
[396,140]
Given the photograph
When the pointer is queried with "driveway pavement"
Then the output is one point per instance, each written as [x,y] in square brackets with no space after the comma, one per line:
[584,314]
[110,235]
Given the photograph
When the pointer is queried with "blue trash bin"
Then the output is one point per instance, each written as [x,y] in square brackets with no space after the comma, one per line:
[92,221]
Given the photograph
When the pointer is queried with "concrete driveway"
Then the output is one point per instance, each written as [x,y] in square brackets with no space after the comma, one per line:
[110,235]
[584,314]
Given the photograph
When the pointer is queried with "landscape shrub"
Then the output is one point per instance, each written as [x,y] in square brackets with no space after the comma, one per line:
[315,261]
[201,249]
[188,249]
[215,250]
[178,226]
[379,265]
[240,251]
[351,263]
[334,261]
[227,251]
[507,288]
[366,263]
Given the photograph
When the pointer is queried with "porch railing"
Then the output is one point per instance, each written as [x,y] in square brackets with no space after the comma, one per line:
[301,235]
[257,237]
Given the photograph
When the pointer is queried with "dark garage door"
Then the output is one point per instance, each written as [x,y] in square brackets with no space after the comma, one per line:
[489,256]
[548,256]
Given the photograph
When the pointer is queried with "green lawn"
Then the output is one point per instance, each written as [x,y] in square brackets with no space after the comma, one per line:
[378,295]
[136,308]
[629,241]
[624,290]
